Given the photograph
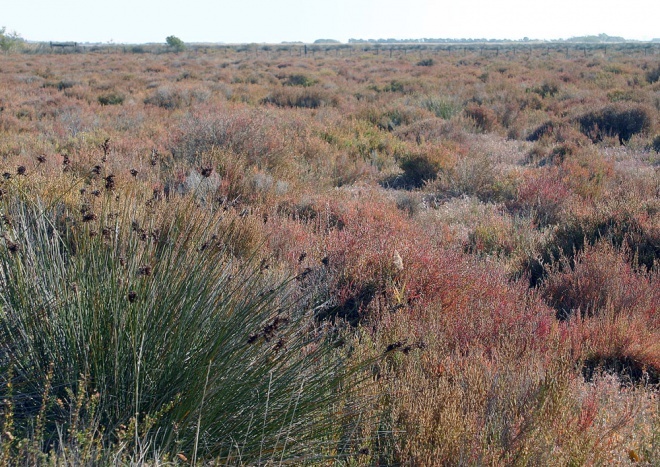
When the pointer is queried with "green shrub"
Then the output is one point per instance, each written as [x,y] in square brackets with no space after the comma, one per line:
[622,121]
[442,108]
[299,80]
[426,62]
[111,99]
[653,75]
[175,43]
[301,98]
[181,346]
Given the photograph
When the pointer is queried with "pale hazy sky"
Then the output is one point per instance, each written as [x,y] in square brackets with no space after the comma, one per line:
[274,21]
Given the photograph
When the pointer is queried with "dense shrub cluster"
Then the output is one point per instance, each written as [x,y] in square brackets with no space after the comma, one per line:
[616,121]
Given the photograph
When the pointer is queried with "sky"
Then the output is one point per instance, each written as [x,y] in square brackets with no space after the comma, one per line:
[276,21]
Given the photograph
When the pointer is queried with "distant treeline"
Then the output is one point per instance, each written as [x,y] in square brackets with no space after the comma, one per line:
[600,38]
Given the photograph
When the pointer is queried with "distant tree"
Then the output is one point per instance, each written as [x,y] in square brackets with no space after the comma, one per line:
[175,43]
[9,40]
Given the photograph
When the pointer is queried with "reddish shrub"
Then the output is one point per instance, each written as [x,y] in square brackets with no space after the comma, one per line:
[484,118]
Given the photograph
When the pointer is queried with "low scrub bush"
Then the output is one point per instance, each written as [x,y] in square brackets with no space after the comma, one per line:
[616,121]
[304,98]
[484,118]
[597,278]
[653,75]
[299,80]
[441,107]
[168,98]
[111,99]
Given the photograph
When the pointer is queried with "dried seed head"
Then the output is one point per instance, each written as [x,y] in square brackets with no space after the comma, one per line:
[132,296]
[206,171]
[144,270]
[41,159]
[6,175]
[278,345]
[106,148]
[21,170]
[88,217]
[96,170]
[109,182]
[93,233]
[107,233]
[394,346]
[154,157]
[96,193]
[252,339]
[83,191]
[12,247]
[134,172]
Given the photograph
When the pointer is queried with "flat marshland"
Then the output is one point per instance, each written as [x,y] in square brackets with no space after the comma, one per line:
[353,256]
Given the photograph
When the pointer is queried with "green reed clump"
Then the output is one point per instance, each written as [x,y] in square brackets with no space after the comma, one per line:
[181,347]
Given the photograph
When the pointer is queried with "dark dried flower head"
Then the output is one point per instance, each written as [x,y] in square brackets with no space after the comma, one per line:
[96,193]
[325,261]
[106,147]
[134,172]
[12,247]
[109,182]
[132,296]
[96,170]
[6,175]
[83,191]
[21,170]
[88,217]
[41,159]
[252,339]
[206,171]
[65,160]
[107,233]
[144,270]
[122,261]
[302,257]
[278,345]
[93,233]
[394,346]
